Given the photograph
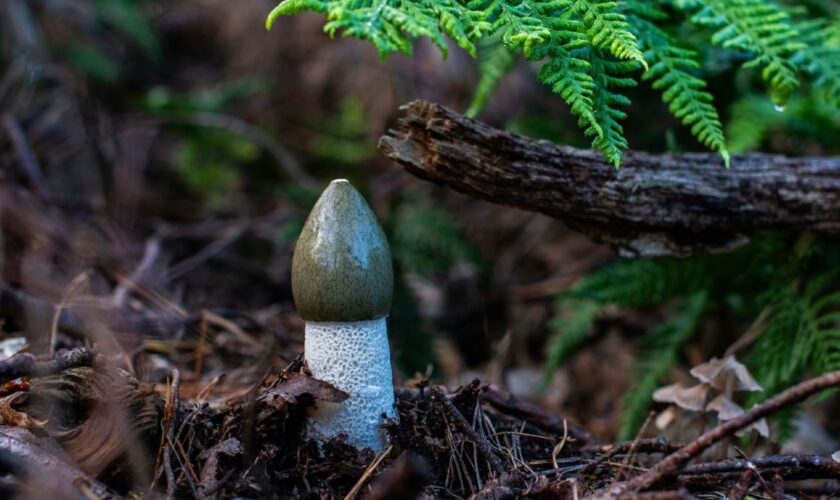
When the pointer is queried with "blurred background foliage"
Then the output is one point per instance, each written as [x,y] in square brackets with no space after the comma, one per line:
[188,120]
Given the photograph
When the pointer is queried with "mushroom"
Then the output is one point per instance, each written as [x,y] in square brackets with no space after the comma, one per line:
[717,372]
[691,398]
[342,282]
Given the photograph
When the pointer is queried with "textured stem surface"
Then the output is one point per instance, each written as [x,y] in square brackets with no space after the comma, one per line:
[355,357]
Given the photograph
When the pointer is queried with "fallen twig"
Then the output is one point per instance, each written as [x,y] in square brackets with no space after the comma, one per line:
[674,462]
[464,426]
[744,483]
[372,467]
[511,405]
[740,464]
[24,364]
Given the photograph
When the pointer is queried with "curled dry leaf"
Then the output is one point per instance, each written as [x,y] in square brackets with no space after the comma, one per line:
[11,417]
[692,398]
[280,397]
[716,372]
[210,482]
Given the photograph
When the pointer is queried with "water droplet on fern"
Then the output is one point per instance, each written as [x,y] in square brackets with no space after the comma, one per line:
[779,108]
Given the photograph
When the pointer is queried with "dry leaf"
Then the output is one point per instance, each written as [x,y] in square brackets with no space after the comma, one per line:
[231,447]
[690,398]
[11,417]
[716,371]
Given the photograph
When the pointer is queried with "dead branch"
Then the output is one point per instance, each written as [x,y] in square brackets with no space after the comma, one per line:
[26,364]
[655,205]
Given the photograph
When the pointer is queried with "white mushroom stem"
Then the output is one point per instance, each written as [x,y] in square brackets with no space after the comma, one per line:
[355,357]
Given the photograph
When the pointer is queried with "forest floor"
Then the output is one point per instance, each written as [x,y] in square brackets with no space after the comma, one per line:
[149,344]
[76,425]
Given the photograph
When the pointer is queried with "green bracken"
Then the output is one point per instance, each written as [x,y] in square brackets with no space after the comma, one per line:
[591,52]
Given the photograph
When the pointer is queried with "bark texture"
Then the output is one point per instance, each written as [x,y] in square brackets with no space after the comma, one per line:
[655,205]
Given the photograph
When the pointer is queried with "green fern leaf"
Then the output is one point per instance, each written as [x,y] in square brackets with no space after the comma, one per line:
[609,75]
[760,28]
[494,61]
[571,324]
[821,58]
[671,72]
[608,29]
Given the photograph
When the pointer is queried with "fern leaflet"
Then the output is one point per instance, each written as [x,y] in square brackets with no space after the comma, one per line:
[760,28]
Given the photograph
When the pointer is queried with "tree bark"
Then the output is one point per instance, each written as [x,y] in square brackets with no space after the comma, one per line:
[654,205]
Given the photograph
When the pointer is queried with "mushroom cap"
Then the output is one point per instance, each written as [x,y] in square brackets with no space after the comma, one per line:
[692,398]
[716,371]
[342,269]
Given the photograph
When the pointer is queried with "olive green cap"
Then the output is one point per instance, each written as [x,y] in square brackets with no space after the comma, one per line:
[342,268]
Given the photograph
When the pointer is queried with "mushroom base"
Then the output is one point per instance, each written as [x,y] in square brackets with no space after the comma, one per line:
[355,357]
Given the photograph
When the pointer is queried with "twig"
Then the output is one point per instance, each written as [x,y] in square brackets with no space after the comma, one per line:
[650,445]
[25,364]
[744,483]
[199,351]
[674,462]
[230,236]
[681,494]
[151,252]
[778,487]
[74,284]
[739,464]
[370,468]
[556,424]
[172,402]
[24,153]
[635,443]
[479,441]
[186,468]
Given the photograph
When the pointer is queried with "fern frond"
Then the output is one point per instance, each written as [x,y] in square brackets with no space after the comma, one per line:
[825,317]
[426,240]
[760,28]
[608,29]
[750,118]
[646,282]
[608,75]
[660,351]
[519,25]
[671,72]
[569,327]
[494,61]
[389,25]
[800,333]
[821,58]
